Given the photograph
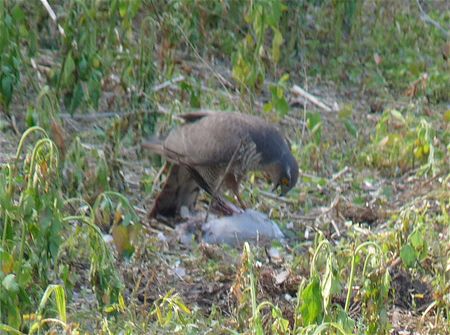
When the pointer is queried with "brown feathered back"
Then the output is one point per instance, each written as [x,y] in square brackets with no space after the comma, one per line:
[210,146]
[213,138]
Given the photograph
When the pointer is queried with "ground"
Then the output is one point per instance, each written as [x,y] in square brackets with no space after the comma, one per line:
[367,225]
[206,276]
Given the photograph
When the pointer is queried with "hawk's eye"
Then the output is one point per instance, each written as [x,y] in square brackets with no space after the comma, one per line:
[285,181]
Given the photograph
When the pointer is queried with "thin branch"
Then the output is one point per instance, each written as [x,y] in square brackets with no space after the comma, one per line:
[167,83]
[297,90]
[340,173]
[427,19]
[52,15]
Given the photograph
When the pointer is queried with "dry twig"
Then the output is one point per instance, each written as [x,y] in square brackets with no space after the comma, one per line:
[52,15]
[427,19]
[297,90]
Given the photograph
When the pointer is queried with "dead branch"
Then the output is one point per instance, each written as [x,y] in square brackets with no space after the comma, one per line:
[297,90]
[52,15]
[427,19]
[167,83]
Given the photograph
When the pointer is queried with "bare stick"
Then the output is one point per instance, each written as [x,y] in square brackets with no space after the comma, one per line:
[336,228]
[426,18]
[340,173]
[52,15]
[297,90]
[167,83]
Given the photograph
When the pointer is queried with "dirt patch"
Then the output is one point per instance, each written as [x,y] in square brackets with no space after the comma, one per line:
[410,293]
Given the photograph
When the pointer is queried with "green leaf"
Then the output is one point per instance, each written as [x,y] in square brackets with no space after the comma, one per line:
[408,255]
[277,41]
[8,21]
[419,244]
[123,7]
[11,330]
[282,106]
[95,91]
[23,31]
[274,12]
[18,14]
[26,273]
[77,97]
[314,123]
[7,88]
[83,68]
[195,100]
[313,120]
[416,239]
[69,68]
[345,320]
[351,128]
[14,318]
[60,298]
[311,308]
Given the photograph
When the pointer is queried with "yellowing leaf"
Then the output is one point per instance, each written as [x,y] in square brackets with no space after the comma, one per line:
[123,8]
[121,238]
[118,216]
[267,107]
[418,152]
[276,45]
[346,111]
[183,307]
[397,115]
[284,78]
[447,116]
[7,263]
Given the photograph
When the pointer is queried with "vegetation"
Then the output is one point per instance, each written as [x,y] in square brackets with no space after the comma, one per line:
[368,225]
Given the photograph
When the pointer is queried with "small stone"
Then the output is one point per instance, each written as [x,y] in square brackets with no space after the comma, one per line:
[281,277]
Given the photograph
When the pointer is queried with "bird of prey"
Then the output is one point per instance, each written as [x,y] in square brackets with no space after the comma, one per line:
[215,150]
